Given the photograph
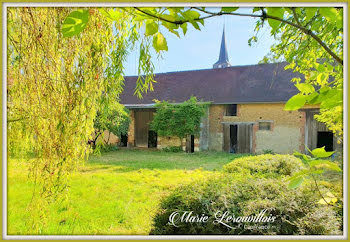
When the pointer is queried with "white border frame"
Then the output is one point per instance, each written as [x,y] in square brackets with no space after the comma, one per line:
[174,237]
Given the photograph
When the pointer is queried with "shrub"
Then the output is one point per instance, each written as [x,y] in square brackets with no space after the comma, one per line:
[103,148]
[296,211]
[265,165]
[268,152]
[173,149]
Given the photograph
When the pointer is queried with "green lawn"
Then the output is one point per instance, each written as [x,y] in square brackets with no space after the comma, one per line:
[115,193]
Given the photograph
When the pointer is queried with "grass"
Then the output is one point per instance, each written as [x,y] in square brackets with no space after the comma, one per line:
[115,193]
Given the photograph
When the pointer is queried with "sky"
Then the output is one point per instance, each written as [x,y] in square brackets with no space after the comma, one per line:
[200,49]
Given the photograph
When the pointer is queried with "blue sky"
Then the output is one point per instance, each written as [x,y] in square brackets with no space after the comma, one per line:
[200,49]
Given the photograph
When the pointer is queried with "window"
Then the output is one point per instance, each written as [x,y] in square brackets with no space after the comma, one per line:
[265,125]
[231,110]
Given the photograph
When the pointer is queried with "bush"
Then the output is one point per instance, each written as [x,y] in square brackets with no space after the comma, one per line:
[268,152]
[173,149]
[265,165]
[296,211]
[103,148]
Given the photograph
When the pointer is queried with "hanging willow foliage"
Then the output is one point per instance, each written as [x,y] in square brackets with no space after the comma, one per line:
[56,84]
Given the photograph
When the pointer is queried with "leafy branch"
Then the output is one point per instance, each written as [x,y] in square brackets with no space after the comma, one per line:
[315,165]
[263,16]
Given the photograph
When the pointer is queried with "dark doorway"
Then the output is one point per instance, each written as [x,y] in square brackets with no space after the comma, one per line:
[124,140]
[192,143]
[152,139]
[233,139]
[325,139]
[189,148]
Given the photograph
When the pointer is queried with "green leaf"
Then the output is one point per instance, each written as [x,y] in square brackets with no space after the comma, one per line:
[324,89]
[295,102]
[295,182]
[313,75]
[332,98]
[229,9]
[113,15]
[184,28]
[305,88]
[329,13]
[201,21]
[331,103]
[190,14]
[322,78]
[313,98]
[304,158]
[319,164]
[310,12]
[276,12]
[141,17]
[273,24]
[171,27]
[339,20]
[151,28]
[320,67]
[252,39]
[75,23]
[321,152]
[104,13]
[159,42]
[195,25]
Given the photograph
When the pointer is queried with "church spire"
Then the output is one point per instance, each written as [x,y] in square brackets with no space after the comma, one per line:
[223,57]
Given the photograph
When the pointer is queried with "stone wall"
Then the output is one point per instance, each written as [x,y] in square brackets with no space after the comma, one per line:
[109,138]
[287,127]
[163,142]
[131,131]
[286,135]
[204,132]
[216,137]
[169,141]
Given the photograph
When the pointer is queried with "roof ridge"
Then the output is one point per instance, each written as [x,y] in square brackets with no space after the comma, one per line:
[217,69]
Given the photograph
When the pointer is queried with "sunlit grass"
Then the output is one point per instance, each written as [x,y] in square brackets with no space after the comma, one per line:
[115,193]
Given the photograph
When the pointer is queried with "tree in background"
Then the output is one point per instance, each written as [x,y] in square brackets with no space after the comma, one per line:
[114,119]
[178,120]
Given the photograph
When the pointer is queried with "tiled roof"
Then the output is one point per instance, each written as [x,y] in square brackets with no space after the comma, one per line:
[260,83]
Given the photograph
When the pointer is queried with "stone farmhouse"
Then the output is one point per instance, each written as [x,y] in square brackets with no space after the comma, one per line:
[246,114]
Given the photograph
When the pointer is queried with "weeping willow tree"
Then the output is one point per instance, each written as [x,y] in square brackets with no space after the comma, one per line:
[56,84]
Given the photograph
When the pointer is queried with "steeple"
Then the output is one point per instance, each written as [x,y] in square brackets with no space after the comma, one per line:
[223,57]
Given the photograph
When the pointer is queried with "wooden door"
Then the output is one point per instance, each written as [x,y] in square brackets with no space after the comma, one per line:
[244,139]
[239,141]
[142,122]
[226,144]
